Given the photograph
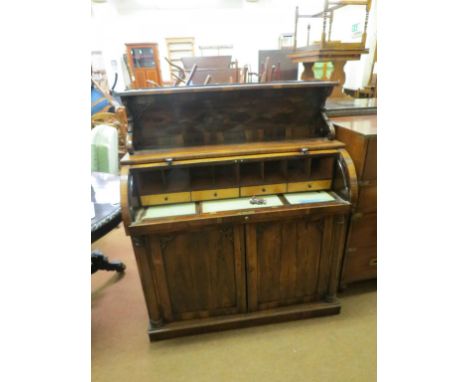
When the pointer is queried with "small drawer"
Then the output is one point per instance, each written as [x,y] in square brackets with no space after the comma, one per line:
[309,186]
[224,193]
[360,264]
[175,197]
[263,190]
[367,198]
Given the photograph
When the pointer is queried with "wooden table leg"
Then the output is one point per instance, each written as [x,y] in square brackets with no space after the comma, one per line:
[339,75]
[308,73]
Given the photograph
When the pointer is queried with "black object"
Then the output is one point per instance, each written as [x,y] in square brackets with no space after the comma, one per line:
[101,262]
[116,76]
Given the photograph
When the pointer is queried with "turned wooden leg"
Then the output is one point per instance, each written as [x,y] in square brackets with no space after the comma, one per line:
[308,73]
[339,75]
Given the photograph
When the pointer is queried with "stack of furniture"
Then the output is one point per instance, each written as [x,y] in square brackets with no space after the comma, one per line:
[106,110]
[285,69]
[220,69]
[178,47]
[326,49]
[237,200]
[360,259]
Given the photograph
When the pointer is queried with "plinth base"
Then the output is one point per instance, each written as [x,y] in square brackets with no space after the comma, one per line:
[206,325]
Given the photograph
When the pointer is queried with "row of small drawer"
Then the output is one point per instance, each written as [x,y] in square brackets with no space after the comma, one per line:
[227,193]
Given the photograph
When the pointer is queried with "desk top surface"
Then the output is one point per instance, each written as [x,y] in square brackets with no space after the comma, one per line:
[347,106]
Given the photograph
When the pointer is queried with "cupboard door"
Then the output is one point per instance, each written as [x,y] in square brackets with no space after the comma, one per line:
[200,273]
[151,75]
[140,79]
[288,261]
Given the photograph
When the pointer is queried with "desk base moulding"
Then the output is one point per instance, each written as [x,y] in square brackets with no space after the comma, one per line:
[157,331]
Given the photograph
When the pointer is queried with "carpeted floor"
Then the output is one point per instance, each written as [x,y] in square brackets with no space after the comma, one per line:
[338,348]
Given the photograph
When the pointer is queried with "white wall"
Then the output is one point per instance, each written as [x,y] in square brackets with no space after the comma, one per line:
[249,27]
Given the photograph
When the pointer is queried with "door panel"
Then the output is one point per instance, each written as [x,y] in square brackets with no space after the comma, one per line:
[151,74]
[288,261]
[200,272]
[140,78]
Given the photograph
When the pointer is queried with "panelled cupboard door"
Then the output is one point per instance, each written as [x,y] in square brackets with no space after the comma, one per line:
[140,79]
[288,261]
[200,273]
[151,74]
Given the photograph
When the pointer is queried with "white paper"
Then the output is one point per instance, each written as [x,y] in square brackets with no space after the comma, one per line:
[309,197]
[239,204]
[106,189]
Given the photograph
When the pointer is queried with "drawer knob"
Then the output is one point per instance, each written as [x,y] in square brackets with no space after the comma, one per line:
[263,189]
[215,194]
[246,218]
[166,198]
[309,186]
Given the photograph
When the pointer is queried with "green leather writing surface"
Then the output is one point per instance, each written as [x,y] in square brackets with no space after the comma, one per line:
[239,204]
[169,210]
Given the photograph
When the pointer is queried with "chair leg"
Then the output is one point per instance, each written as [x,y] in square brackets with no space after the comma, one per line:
[101,262]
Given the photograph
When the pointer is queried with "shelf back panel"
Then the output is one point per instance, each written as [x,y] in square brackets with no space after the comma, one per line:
[239,113]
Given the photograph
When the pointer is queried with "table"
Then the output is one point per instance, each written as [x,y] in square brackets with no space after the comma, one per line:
[105,216]
[338,53]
